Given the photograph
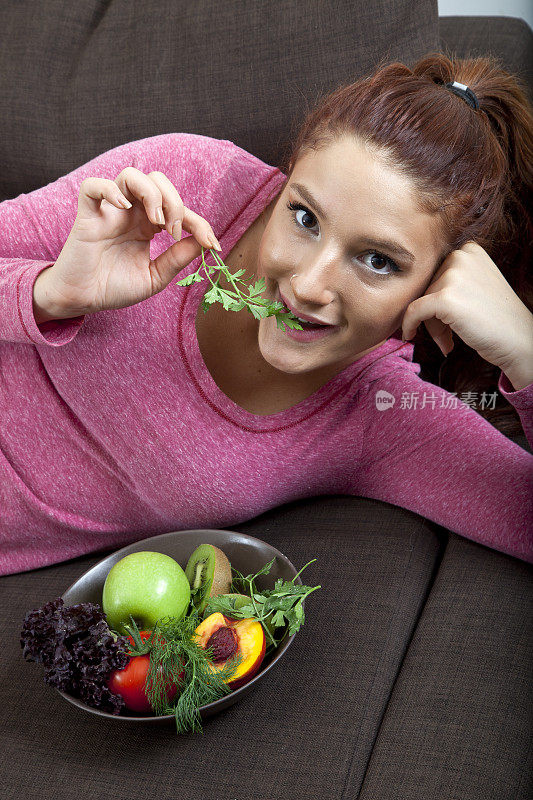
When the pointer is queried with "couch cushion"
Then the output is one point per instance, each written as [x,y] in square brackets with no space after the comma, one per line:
[305,733]
[460,720]
[77,79]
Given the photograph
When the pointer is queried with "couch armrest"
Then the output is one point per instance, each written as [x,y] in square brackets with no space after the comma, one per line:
[509,38]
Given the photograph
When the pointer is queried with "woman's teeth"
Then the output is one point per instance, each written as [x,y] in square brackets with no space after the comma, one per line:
[309,324]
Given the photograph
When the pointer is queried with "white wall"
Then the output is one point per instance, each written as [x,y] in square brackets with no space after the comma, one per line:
[487,8]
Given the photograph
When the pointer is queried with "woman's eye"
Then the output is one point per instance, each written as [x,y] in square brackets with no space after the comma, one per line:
[376,262]
[305,217]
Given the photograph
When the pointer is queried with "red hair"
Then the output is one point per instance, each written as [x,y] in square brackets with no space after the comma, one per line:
[471,168]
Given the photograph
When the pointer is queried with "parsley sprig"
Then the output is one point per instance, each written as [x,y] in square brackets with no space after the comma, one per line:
[282,605]
[237,300]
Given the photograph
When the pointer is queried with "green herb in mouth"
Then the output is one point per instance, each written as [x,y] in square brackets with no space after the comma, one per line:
[236,300]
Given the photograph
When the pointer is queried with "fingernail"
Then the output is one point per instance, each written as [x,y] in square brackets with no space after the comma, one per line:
[215,243]
[159,216]
[176,231]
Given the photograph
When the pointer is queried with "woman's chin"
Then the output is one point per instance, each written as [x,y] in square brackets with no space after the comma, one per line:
[273,350]
[277,360]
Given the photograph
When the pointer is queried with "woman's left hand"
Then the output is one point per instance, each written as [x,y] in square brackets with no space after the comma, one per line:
[469,296]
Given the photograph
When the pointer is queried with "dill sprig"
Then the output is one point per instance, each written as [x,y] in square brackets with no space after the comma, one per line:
[236,300]
[173,650]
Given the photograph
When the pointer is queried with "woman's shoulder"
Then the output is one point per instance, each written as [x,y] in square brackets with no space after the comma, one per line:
[207,172]
[195,155]
[193,146]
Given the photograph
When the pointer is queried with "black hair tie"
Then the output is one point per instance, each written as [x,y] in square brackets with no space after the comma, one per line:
[464,92]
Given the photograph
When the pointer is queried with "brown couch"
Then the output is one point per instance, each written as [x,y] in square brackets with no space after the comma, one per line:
[410,679]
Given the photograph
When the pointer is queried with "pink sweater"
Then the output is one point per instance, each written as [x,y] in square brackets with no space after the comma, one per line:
[112,429]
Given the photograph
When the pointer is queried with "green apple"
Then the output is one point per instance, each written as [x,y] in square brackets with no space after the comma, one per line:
[148,586]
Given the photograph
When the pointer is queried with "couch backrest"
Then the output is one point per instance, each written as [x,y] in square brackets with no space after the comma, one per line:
[77,79]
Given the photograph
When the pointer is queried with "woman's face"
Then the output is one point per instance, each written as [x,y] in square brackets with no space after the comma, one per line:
[360,249]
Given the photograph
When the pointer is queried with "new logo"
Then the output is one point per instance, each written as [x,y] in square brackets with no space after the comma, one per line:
[384,400]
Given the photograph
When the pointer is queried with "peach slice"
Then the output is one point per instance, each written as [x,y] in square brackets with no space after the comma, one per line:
[228,637]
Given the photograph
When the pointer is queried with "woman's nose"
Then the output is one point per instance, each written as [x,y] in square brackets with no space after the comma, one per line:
[313,286]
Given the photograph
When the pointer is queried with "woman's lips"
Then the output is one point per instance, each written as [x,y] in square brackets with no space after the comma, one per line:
[306,317]
[308,334]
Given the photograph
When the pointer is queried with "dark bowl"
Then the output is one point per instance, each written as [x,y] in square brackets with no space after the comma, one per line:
[246,554]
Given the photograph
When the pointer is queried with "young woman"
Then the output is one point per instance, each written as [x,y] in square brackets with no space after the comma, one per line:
[128,411]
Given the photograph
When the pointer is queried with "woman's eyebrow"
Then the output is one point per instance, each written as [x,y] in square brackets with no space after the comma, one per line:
[308,197]
[392,247]
[383,244]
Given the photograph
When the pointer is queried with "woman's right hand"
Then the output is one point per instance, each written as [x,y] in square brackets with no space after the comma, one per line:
[105,262]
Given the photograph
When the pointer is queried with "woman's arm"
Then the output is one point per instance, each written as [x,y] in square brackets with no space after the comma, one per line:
[34,227]
[435,455]
[33,230]
[522,400]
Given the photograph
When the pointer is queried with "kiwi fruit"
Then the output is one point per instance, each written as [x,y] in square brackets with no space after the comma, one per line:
[208,570]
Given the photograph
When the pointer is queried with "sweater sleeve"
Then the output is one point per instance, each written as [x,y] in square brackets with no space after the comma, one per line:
[33,230]
[434,454]
[35,226]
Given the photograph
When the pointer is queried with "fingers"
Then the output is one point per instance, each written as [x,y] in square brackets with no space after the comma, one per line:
[171,261]
[171,203]
[164,206]
[200,229]
[178,216]
[429,309]
[441,333]
[420,309]
[94,190]
[161,201]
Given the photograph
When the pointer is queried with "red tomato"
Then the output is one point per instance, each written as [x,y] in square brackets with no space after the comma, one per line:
[129,682]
